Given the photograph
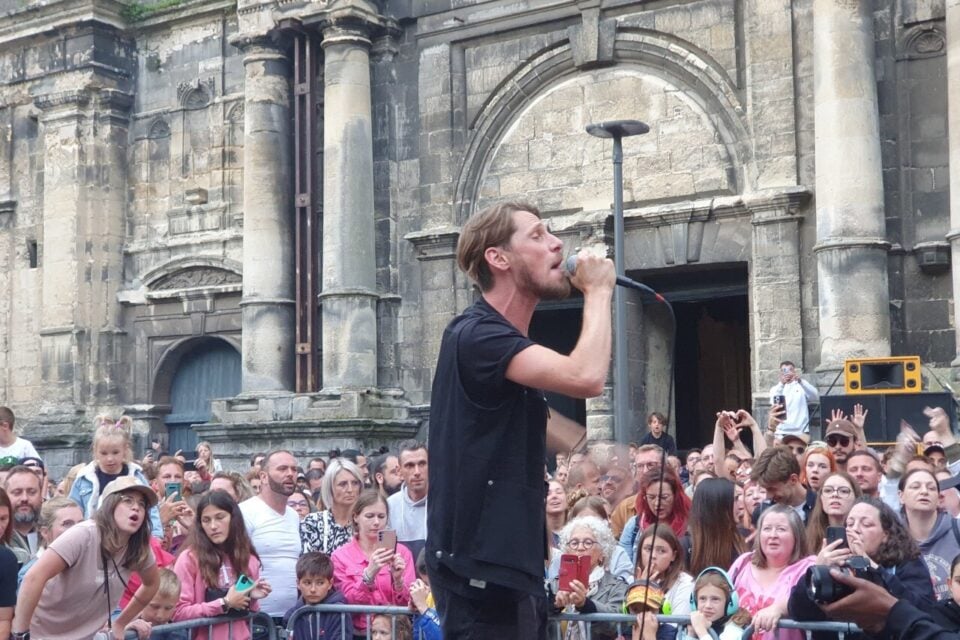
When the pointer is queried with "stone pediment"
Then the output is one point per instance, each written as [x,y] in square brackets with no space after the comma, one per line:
[196,277]
[193,277]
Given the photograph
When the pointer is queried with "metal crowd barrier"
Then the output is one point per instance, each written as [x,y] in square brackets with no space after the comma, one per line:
[263,627]
[260,624]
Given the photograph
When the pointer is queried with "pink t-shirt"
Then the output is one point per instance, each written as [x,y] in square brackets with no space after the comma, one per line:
[753,597]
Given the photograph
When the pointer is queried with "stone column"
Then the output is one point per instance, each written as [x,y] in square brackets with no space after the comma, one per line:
[84,137]
[267,303]
[349,295]
[851,237]
[953,120]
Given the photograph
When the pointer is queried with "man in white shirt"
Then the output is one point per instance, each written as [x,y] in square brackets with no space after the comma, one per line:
[408,506]
[274,530]
[796,393]
[12,446]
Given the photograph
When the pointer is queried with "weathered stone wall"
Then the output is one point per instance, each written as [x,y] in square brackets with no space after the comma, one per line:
[135,156]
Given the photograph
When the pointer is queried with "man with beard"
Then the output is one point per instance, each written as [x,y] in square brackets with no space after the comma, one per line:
[490,422]
[274,530]
[385,469]
[23,487]
[617,483]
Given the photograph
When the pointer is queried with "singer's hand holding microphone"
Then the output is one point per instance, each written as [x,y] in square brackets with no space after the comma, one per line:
[576,263]
[589,271]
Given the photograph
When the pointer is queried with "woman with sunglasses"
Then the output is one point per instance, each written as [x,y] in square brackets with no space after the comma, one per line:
[74,587]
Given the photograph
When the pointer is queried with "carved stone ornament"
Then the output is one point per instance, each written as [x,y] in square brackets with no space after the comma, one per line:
[197,94]
[194,277]
[926,41]
[159,129]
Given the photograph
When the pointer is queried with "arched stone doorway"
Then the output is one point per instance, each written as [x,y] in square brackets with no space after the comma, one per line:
[208,368]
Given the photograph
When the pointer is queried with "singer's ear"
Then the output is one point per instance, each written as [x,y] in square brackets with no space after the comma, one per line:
[496,258]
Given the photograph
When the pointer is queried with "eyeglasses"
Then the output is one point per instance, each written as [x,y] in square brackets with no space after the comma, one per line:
[613,479]
[798,450]
[130,501]
[296,504]
[834,440]
[586,544]
[843,492]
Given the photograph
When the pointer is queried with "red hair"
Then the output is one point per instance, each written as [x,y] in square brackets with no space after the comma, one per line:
[681,503]
[825,452]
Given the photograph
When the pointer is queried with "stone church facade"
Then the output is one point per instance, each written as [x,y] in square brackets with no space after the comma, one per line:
[243,216]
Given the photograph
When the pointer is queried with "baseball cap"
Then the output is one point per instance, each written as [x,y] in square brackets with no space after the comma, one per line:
[643,595]
[129,483]
[32,461]
[841,426]
[802,438]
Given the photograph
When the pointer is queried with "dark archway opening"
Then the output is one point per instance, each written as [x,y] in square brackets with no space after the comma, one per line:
[208,371]
[712,348]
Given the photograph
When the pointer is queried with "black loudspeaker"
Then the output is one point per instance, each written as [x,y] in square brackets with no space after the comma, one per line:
[886,411]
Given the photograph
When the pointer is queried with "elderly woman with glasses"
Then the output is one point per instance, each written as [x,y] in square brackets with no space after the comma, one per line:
[603,592]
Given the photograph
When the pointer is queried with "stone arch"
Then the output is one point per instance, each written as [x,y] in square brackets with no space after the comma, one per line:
[168,363]
[159,128]
[193,271]
[694,75]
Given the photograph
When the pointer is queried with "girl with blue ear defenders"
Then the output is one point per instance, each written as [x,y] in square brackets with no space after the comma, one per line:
[716,612]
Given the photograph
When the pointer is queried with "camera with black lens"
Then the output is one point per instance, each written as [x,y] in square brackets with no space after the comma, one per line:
[822,588]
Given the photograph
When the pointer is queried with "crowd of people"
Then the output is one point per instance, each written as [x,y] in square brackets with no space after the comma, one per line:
[726,534]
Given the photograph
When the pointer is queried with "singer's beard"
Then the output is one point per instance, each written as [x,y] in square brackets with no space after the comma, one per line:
[543,290]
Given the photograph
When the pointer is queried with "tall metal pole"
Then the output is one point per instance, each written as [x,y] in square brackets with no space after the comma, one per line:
[621,378]
[617,130]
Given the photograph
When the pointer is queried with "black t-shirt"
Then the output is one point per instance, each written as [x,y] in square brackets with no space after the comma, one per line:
[487,449]
[106,478]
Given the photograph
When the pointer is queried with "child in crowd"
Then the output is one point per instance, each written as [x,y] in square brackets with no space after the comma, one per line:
[382,627]
[426,622]
[645,599]
[947,612]
[112,459]
[315,582]
[160,610]
[716,609]
[657,434]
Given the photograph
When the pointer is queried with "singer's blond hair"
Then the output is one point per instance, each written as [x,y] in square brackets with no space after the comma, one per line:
[491,227]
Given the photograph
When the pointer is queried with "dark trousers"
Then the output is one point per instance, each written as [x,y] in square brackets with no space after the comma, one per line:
[504,615]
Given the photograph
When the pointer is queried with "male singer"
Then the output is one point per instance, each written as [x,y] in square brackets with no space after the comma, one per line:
[489,423]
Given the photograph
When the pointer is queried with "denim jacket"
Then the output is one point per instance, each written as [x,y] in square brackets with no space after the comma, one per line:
[86,493]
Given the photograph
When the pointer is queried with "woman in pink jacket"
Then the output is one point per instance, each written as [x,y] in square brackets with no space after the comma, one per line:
[367,571]
[217,553]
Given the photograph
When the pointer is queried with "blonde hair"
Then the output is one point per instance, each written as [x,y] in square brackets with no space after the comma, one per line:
[107,427]
[169,585]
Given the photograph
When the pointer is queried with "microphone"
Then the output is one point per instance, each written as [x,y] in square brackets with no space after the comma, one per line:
[622,281]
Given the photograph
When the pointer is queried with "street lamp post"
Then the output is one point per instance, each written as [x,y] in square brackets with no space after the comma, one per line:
[617,130]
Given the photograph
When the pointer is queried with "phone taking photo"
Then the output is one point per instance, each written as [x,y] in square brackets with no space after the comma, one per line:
[173,488]
[837,533]
[573,568]
[387,539]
